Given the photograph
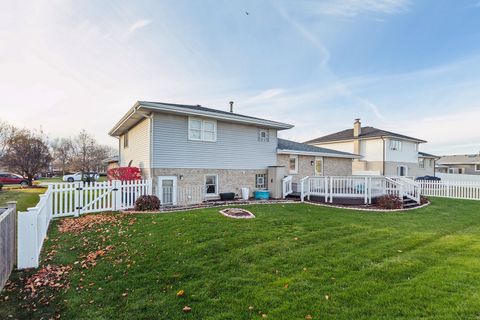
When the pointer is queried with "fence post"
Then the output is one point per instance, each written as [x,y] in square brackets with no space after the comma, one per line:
[27,253]
[302,189]
[365,191]
[331,190]
[117,185]
[12,205]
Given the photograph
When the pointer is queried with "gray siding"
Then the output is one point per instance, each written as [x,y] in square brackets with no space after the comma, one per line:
[237,146]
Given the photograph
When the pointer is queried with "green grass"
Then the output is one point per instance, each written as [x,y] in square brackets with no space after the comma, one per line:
[417,264]
[25,197]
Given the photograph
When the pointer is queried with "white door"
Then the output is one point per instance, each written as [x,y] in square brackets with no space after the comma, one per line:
[167,190]
[402,171]
[318,166]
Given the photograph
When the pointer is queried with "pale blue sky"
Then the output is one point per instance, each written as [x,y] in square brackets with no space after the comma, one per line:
[408,66]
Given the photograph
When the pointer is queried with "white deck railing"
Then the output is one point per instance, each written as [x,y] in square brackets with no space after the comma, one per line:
[355,187]
[287,187]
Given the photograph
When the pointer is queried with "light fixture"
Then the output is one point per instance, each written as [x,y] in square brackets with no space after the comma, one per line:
[311,162]
[180,177]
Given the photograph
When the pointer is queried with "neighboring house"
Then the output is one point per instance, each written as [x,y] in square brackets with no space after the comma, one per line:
[383,152]
[111,162]
[459,164]
[190,145]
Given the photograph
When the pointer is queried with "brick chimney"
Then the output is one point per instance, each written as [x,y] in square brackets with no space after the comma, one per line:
[357,128]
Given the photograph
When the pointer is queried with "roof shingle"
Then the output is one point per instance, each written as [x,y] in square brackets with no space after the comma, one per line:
[284,144]
[367,132]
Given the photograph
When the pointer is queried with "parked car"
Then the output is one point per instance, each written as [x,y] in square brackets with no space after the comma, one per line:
[12,178]
[428,178]
[78,176]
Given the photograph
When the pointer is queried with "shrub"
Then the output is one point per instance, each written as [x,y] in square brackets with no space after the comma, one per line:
[1,186]
[147,203]
[390,202]
[124,173]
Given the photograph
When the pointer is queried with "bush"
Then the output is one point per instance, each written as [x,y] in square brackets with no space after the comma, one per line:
[147,203]
[124,174]
[1,186]
[390,202]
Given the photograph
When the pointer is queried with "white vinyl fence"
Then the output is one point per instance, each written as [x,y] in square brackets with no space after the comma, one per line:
[72,199]
[469,190]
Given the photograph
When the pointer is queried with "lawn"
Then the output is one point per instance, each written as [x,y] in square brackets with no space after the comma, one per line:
[25,197]
[293,261]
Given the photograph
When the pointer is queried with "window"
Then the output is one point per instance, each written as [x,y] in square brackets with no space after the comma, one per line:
[263,135]
[293,164]
[125,140]
[318,167]
[211,184]
[421,163]
[461,170]
[402,171]
[396,145]
[202,130]
[261,181]
[477,167]
[456,170]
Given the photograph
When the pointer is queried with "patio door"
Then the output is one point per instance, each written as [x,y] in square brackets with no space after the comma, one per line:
[167,190]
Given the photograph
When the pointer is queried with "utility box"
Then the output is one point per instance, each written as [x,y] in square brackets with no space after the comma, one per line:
[275,176]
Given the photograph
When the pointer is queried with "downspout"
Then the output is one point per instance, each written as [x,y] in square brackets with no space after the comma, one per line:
[383,162]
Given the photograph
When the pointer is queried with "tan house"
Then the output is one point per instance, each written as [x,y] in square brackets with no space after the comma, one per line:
[459,164]
[221,151]
[382,152]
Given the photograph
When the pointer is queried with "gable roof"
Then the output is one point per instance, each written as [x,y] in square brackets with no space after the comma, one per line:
[291,147]
[367,133]
[460,159]
[142,109]
[427,155]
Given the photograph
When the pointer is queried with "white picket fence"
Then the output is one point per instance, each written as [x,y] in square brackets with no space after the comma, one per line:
[71,199]
[469,190]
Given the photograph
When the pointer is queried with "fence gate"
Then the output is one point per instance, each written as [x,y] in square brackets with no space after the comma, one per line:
[74,199]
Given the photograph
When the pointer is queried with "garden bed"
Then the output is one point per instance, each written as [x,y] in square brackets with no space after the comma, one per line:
[237,213]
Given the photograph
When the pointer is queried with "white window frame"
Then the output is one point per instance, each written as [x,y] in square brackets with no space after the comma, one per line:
[267,135]
[293,156]
[202,129]
[261,186]
[315,166]
[477,167]
[216,185]
[421,163]
[398,170]
[395,145]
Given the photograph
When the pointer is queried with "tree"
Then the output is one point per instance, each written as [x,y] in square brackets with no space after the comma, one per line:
[6,133]
[27,152]
[63,152]
[88,154]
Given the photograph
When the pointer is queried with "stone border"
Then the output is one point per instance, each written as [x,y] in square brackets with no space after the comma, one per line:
[248,203]
[224,212]
[366,209]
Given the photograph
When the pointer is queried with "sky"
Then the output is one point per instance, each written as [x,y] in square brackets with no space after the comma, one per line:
[411,67]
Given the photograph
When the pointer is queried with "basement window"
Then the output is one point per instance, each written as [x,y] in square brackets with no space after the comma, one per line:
[261,181]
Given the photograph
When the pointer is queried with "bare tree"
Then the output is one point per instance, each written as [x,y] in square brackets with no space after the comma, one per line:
[63,152]
[88,154]
[27,153]
[6,132]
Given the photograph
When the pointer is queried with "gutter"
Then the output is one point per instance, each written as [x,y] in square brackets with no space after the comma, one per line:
[383,169]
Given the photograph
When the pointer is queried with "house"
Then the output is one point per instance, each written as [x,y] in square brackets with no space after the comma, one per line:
[382,152]
[459,164]
[181,146]
[111,162]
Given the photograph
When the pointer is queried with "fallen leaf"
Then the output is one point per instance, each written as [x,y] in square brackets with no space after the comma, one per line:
[187,309]
[180,293]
